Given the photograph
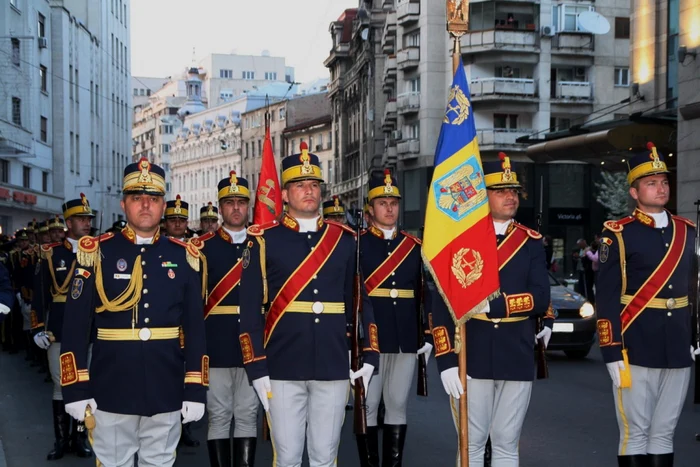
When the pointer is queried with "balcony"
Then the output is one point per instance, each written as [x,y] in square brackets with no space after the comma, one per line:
[408,58]
[574,91]
[390,156]
[389,33]
[499,138]
[501,40]
[407,11]
[408,102]
[338,51]
[389,76]
[335,85]
[408,149]
[573,43]
[389,121]
[499,88]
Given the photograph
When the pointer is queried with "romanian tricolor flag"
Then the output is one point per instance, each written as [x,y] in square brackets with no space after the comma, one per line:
[459,242]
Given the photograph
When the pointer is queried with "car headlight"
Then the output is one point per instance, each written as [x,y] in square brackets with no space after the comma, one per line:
[586,310]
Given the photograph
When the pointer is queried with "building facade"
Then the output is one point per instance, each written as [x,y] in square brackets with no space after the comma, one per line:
[64,108]
[142,87]
[318,134]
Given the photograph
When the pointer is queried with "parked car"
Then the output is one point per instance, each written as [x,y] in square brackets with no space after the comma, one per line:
[575,324]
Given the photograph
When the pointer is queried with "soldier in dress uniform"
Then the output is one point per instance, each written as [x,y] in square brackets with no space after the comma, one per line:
[139,290]
[177,213]
[230,394]
[500,356]
[208,218]
[393,271]
[51,283]
[44,237]
[334,210]
[644,322]
[7,297]
[23,273]
[57,229]
[297,358]
[117,226]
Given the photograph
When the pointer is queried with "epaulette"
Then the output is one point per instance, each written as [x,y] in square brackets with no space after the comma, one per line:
[342,226]
[47,249]
[532,233]
[683,219]
[617,226]
[256,230]
[191,252]
[87,248]
[412,237]
[198,242]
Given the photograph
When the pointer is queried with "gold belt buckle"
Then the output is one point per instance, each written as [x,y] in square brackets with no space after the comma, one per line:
[317,308]
[393,293]
[671,303]
[145,334]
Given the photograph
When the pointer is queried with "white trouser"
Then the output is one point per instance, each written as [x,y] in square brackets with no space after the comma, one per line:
[230,396]
[314,410]
[648,412]
[496,408]
[116,438]
[393,381]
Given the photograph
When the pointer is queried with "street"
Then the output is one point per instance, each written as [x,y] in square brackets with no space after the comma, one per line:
[571,422]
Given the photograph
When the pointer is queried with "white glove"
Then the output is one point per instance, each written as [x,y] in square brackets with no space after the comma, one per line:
[191,411]
[365,373]
[263,389]
[614,368]
[694,352]
[425,351]
[545,334]
[77,409]
[19,299]
[451,383]
[26,310]
[4,309]
[42,340]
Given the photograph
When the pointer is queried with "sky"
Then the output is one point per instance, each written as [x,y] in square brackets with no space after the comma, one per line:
[164,32]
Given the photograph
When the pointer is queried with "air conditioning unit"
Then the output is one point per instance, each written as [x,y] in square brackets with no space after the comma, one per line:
[580,72]
[43,42]
[548,31]
[396,135]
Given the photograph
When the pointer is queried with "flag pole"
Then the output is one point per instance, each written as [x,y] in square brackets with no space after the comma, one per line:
[457,25]
[463,401]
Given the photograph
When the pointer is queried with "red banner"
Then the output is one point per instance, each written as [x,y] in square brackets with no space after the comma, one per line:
[268,196]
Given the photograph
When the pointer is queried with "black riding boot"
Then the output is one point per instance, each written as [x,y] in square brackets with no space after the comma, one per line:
[368,447]
[244,451]
[392,445]
[61,427]
[660,460]
[219,452]
[79,441]
[638,460]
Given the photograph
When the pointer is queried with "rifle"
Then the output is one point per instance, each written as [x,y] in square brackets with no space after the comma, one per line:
[542,368]
[357,337]
[695,301]
[422,380]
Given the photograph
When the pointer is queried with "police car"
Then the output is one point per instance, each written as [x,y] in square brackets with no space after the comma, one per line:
[575,324]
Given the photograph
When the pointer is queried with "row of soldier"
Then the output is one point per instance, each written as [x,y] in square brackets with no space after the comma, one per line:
[143,330]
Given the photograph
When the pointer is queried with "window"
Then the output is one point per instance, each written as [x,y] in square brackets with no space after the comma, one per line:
[413,85]
[293,147]
[164,148]
[271,75]
[44,129]
[622,76]
[622,28]
[413,130]
[26,177]
[504,121]
[565,17]
[228,74]
[248,75]
[43,78]
[142,92]
[320,141]
[259,147]
[97,158]
[4,171]
[92,160]
[506,72]
[72,152]
[330,140]
[125,17]
[77,154]
[167,129]
[41,26]
[97,99]
[283,113]
[17,111]
[70,82]
[559,123]
[136,92]
[247,152]
[92,97]
[15,51]
[148,92]
[413,40]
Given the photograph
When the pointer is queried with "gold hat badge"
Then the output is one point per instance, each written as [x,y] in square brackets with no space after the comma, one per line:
[305,159]
[233,188]
[388,188]
[507,173]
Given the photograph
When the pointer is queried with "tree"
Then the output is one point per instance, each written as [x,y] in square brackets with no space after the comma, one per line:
[613,194]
